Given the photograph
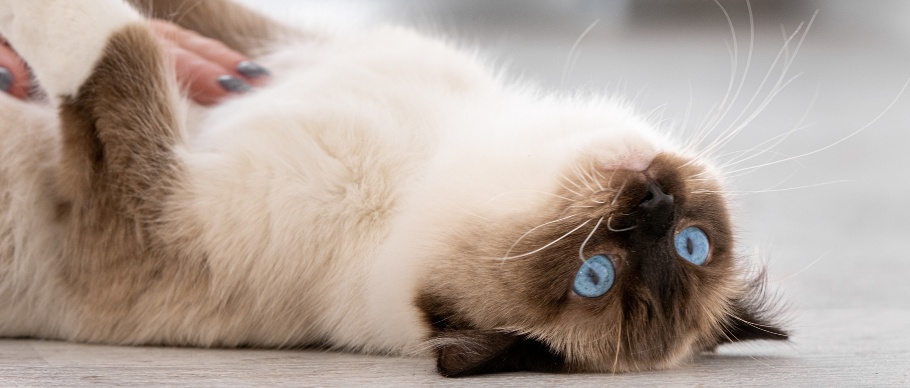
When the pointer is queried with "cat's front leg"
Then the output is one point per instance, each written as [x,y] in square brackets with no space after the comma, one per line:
[238,27]
[63,39]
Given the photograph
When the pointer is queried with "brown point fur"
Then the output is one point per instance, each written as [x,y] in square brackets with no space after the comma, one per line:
[238,27]
[116,172]
[660,309]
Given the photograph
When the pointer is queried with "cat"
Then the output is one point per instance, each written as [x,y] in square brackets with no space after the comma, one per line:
[387,193]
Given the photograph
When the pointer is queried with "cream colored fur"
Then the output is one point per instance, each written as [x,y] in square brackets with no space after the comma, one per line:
[357,171]
[318,203]
[62,39]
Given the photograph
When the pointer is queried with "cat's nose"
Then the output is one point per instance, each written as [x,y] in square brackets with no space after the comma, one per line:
[656,209]
[655,197]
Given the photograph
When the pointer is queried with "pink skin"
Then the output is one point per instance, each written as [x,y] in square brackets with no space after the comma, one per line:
[14,64]
[199,62]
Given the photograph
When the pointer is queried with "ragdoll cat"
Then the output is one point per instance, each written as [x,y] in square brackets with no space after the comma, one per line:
[385,194]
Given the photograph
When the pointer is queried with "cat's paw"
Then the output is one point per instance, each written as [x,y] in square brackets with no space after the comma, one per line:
[61,40]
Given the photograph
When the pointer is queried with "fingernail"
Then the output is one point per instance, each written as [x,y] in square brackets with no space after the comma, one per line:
[234,84]
[6,79]
[251,69]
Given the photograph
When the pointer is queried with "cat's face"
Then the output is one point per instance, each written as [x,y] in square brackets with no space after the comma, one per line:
[622,269]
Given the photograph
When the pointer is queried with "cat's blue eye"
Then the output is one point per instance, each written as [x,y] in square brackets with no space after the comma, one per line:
[595,277]
[692,245]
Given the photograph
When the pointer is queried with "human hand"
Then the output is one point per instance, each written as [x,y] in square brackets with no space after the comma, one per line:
[13,73]
[207,69]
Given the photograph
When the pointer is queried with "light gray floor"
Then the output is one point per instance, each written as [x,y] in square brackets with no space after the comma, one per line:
[832,225]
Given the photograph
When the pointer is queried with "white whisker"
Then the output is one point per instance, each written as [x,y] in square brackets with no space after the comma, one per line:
[570,190]
[581,177]
[769,190]
[778,86]
[734,69]
[757,326]
[618,193]
[572,182]
[532,231]
[496,197]
[587,172]
[581,249]
[574,52]
[618,344]
[804,268]
[735,339]
[610,227]
[548,245]
[745,75]
[777,140]
[843,139]
[788,62]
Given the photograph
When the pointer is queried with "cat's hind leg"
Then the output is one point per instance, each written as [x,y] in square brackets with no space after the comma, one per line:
[120,123]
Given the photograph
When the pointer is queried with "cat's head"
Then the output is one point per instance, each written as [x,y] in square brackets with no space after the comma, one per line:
[628,264]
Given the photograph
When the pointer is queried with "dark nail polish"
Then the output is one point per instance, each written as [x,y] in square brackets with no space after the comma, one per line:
[234,84]
[6,79]
[251,69]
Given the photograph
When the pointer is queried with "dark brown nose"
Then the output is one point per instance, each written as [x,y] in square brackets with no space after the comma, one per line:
[656,210]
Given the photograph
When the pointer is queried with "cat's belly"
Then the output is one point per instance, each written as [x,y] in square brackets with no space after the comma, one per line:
[324,194]
[293,206]
[296,219]
[295,191]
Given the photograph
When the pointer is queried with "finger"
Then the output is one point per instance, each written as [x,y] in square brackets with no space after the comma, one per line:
[212,50]
[14,77]
[218,53]
[195,74]
[207,83]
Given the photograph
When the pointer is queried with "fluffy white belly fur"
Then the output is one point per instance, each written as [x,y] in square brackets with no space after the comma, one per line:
[370,148]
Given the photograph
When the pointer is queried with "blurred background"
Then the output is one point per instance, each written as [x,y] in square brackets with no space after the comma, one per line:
[832,221]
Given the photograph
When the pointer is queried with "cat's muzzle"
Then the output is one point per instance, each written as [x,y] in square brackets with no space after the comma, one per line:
[656,209]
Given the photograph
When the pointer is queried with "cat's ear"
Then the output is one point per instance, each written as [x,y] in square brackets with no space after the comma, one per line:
[473,352]
[751,320]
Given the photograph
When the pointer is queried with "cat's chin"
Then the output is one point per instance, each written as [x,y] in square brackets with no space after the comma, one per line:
[637,156]
[634,162]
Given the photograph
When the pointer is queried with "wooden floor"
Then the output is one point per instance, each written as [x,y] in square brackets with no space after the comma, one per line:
[831,225]
[838,348]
